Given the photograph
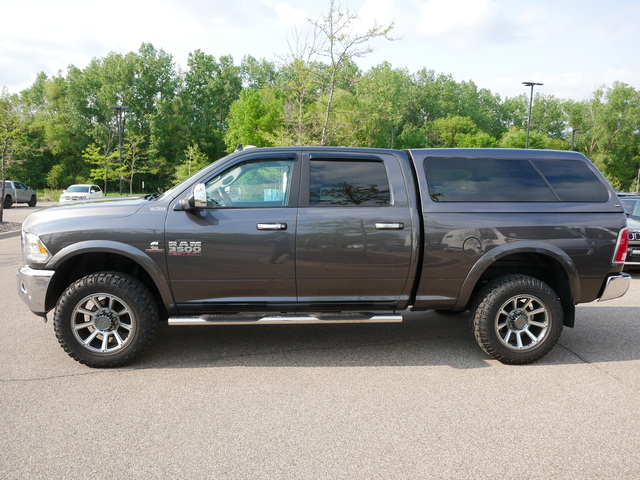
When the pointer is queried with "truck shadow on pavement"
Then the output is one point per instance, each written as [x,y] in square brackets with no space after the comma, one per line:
[602,334]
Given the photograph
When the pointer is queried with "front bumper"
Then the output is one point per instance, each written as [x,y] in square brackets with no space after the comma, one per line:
[616,286]
[32,287]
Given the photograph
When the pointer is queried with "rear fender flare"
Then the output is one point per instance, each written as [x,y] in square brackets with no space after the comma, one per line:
[524,246]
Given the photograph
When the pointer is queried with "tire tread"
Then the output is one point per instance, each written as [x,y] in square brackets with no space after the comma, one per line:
[482,321]
[141,299]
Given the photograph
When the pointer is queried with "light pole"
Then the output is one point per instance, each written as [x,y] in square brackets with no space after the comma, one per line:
[530,84]
[120,109]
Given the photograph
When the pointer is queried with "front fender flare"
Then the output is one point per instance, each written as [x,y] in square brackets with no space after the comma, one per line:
[523,246]
[108,246]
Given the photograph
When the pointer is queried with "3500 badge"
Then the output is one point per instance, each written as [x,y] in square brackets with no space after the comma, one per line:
[185,248]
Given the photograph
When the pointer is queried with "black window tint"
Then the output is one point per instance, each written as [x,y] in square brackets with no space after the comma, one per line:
[348,183]
[485,180]
[573,181]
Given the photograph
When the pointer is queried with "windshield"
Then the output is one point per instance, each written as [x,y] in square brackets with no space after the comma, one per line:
[78,188]
[632,207]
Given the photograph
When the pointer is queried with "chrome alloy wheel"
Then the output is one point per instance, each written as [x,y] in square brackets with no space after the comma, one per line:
[102,323]
[522,322]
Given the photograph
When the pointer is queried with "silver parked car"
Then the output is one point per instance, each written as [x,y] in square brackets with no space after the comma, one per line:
[631,203]
[17,192]
[81,192]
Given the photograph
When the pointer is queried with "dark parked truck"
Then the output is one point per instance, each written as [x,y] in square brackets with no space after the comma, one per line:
[313,235]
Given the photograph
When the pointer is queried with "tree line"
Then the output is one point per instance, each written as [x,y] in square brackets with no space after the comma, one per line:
[64,129]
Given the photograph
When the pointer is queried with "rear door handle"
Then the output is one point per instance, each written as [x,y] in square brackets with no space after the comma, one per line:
[272,226]
[389,226]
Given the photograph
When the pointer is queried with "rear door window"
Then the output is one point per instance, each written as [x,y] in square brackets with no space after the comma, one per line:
[348,183]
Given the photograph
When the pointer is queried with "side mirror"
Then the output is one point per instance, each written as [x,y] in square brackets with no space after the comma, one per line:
[197,199]
[200,196]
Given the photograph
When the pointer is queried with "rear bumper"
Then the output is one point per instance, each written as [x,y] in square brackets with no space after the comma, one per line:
[32,288]
[616,286]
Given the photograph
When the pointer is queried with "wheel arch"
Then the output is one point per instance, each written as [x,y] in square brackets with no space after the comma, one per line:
[545,262]
[78,260]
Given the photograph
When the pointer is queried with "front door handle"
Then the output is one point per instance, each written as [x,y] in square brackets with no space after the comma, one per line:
[272,226]
[389,226]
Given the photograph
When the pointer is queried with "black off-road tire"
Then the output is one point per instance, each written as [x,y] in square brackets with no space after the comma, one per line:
[8,201]
[105,319]
[33,201]
[517,319]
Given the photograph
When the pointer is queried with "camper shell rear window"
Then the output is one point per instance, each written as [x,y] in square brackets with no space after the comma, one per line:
[461,179]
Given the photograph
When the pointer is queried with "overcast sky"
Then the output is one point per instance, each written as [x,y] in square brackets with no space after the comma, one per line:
[572,46]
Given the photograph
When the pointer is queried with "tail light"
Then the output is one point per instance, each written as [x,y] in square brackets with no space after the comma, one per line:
[622,245]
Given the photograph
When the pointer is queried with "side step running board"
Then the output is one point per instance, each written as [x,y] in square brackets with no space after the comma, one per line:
[269,319]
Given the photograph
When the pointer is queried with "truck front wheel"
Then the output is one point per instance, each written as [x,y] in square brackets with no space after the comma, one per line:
[8,201]
[105,319]
[517,319]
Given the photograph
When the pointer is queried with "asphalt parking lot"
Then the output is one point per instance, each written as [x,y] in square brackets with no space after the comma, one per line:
[411,400]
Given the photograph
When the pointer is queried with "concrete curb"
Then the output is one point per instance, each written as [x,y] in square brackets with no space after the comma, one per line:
[11,234]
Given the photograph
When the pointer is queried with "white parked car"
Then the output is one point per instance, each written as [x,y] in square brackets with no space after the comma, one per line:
[81,192]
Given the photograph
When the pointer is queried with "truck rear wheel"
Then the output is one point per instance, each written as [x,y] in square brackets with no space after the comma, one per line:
[517,319]
[105,319]
[8,201]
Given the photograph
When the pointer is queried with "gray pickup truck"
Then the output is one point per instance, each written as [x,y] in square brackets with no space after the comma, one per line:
[313,235]
[16,192]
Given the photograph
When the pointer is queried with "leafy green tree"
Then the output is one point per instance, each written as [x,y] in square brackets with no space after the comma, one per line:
[477,140]
[317,96]
[255,119]
[53,136]
[319,73]
[481,106]
[210,88]
[517,138]
[133,158]
[548,115]
[447,132]
[192,161]
[92,92]
[58,177]
[144,81]
[105,165]
[516,111]
[382,98]
[606,130]
[339,45]
[257,74]
[300,89]
[411,136]
[12,136]
[153,127]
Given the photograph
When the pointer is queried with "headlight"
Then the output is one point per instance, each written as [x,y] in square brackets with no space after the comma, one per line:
[33,249]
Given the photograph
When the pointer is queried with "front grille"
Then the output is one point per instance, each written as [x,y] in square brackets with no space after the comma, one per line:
[634,236]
